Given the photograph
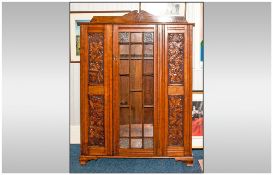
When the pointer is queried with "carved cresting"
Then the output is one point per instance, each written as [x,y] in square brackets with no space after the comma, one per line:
[96,57]
[176,58]
[96,119]
[175,120]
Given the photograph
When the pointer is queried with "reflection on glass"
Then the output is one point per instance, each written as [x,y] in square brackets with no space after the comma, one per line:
[124,143]
[136,143]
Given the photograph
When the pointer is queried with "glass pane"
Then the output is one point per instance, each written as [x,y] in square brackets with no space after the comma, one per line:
[148,90]
[148,130]
[148,50]
[136,114]
[136,143]
[124,122]
[148,66]
[148,37]
[124,143]
[148,142]
[123,37]
[136,51]
[136,37]
[136,130]
[124,90]
[136,74]
[124,67]
[123,49]
[148,115]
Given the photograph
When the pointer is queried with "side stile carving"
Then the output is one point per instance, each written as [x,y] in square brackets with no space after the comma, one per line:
[175,124]
[176,58]
[96,119]
[96,58]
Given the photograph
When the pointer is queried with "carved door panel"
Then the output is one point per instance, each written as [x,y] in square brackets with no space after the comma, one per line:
[135,90]
[96,56]
[177,90]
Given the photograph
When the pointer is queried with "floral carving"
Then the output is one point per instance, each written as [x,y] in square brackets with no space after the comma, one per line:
[176,58]
[148,37]
[96,57]
[175,126]
[96,119]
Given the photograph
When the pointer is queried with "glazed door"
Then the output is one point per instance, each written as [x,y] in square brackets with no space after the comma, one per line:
[135,80]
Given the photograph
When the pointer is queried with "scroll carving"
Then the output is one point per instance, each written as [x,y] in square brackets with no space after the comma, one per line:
[176,58]
[96,58]
[96,119]
[175,124]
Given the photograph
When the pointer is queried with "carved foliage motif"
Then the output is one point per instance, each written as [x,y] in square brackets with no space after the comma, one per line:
[96,119]
[175,125]
[175,58]
[96,57]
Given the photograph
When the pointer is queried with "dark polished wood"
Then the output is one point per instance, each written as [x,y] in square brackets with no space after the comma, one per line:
[136,87]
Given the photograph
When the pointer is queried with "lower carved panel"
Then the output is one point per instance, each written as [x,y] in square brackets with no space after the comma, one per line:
[175,123]
[96,119]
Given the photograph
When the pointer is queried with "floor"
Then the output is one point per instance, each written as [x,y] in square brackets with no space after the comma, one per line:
[132,165]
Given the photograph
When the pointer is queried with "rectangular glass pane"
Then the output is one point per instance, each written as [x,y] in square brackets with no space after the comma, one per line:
[136,51]
[136,130]
[136,37]
[136,74]
[124,143]
[136,143]
[148,130]
[136,107]
[124,90]
[124,51]
[124,122]
[148,142]
[148,66]
[148,90]
[148,49]
[124,67]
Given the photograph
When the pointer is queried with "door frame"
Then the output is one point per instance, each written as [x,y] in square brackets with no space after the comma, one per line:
[115,91]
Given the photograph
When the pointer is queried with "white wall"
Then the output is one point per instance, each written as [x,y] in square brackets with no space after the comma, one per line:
[194,14]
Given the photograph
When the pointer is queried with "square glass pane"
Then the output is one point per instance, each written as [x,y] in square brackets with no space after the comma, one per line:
[136,130]
[148,37]
[124,90]
[124,49]
[136,74]
[148,50]
[124,143]
[123,37]
[148,130]
[136,37]
[136,143]
[124,122]
[148,142]
[136,51]
[148,66]
[124,67]
[148,90]
[136,108]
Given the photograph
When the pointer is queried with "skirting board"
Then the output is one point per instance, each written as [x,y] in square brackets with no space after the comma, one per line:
[197,141]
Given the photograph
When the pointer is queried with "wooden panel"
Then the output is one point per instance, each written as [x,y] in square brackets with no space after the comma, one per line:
[176,90]
[96,90]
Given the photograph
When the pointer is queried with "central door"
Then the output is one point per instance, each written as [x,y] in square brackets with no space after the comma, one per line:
[135,81]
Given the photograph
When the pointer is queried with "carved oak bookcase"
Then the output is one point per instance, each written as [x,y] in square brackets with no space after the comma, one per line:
[136,81]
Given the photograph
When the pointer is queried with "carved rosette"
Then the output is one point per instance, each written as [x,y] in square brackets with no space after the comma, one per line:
[176,58]
[96,119]
[96,58]
[175,123]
